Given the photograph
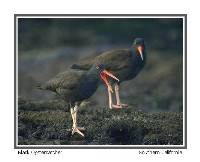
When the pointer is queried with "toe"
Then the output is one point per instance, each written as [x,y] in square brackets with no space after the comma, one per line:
[116,106]
[76,130]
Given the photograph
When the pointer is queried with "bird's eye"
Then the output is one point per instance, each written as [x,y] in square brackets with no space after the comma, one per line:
[97,67]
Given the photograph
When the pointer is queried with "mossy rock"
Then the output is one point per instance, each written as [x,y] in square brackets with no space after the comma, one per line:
[51,125]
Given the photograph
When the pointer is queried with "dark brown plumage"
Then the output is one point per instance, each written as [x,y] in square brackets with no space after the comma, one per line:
[75,86]
[123,63]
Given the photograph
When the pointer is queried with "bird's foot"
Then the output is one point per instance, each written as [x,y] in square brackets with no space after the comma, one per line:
[78,130]
[123,105]
[118,106]
[115,106]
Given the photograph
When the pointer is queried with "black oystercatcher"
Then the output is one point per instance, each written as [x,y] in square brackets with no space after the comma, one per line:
[76,86]
[123,63]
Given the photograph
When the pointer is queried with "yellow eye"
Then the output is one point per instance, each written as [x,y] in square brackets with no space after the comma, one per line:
[97,67]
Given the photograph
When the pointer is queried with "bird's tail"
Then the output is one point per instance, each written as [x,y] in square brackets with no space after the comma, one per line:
[80,67]
[40,87]
[83,65]
[75,66]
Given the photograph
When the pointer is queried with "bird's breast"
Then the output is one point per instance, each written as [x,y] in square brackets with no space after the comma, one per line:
[88,88]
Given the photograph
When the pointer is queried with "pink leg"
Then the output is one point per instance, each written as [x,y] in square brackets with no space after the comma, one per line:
[111,105]
[75,128]
[117,96]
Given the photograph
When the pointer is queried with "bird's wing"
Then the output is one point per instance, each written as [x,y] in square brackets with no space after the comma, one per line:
[65,81]
[112,60]
[116,59]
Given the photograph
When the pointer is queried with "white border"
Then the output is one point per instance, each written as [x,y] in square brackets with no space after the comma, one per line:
[101,146]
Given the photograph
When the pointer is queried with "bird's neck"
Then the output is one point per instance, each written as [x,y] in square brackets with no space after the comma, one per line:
[136,56]
[91,82]
[92,77]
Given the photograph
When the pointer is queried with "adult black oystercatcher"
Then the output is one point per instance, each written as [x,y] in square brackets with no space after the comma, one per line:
[76,86]
[123,63]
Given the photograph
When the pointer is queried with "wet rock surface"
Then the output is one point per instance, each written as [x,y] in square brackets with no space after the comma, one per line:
[50,122]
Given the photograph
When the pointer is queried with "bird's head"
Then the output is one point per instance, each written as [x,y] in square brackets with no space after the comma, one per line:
[139,44]
[100,69]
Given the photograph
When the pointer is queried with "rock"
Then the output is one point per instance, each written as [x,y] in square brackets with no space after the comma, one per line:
[48,122]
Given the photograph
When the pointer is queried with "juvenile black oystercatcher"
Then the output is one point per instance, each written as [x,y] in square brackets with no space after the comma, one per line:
[126,64]
[75,86]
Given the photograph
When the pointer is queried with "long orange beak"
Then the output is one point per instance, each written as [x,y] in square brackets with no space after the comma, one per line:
[103,77]
[140,49]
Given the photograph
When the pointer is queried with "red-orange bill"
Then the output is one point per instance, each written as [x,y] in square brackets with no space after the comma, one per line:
[140,51]
[103,77]
[109,74]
